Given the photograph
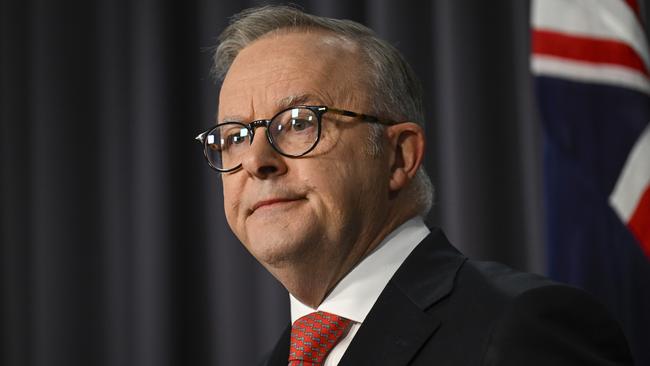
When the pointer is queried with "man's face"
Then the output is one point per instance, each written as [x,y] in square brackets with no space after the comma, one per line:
[313,210]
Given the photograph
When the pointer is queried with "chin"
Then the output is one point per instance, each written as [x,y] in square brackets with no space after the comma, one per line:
[277,236]
[279,248]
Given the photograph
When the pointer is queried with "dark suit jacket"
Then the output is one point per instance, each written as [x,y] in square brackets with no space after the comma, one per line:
[442,309]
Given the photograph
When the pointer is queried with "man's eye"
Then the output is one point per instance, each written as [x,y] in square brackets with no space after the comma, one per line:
[301,124]
[235,139]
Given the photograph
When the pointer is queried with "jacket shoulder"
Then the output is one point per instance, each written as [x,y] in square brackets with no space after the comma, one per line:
[533,320]
[498,282]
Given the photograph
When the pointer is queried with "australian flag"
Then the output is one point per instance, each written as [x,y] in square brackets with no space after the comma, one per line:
[591,66]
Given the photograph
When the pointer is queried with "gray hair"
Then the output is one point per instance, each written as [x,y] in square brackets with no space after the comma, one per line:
[395,89]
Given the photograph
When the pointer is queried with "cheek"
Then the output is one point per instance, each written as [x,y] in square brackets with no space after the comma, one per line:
[340,189]
[365,181]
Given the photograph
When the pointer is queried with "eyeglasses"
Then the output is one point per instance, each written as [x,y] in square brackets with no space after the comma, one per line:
[293,132]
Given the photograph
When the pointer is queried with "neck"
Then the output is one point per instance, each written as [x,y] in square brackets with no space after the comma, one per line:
[312,277]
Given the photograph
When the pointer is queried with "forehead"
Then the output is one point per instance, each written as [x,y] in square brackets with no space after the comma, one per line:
[273,69]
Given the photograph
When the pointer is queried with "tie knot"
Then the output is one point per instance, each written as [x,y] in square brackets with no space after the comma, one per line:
[314,335]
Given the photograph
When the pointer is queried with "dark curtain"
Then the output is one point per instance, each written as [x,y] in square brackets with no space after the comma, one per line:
[114,247]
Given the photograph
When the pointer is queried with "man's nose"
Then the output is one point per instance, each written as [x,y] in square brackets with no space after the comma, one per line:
[262,160]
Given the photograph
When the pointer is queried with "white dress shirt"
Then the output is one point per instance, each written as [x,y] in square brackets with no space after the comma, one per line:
[357,292]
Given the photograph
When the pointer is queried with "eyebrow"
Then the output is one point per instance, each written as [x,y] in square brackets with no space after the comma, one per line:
[284,103]
[294,100]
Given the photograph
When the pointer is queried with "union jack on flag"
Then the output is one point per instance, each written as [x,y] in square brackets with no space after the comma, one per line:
[592,77]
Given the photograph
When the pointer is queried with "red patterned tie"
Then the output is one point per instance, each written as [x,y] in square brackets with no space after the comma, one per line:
[314,335]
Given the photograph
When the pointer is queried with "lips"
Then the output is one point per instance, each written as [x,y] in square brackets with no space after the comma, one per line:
[272,201]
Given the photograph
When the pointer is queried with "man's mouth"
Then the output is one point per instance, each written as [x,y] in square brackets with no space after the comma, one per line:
[272,202]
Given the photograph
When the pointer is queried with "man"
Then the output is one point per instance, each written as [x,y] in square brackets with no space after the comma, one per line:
[320,144]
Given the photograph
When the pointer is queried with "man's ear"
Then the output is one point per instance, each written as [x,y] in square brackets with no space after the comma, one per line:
[407,143]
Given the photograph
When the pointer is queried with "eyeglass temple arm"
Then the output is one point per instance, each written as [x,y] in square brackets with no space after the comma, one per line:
[361,116]
[201,137]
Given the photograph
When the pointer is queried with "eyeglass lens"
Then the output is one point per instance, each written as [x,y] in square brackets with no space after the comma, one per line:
[292,132]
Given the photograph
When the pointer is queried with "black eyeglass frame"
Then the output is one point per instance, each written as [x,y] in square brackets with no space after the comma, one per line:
[317,110]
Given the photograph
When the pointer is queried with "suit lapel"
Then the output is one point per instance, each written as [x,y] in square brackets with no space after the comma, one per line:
[399,324]
[392,333]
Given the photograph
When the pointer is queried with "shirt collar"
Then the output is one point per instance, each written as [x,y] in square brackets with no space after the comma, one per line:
[356,293]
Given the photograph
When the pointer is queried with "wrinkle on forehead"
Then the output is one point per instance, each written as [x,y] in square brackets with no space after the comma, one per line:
[289,101]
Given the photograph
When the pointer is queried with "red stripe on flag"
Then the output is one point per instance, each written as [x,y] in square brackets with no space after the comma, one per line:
[586,49]
[639,223]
